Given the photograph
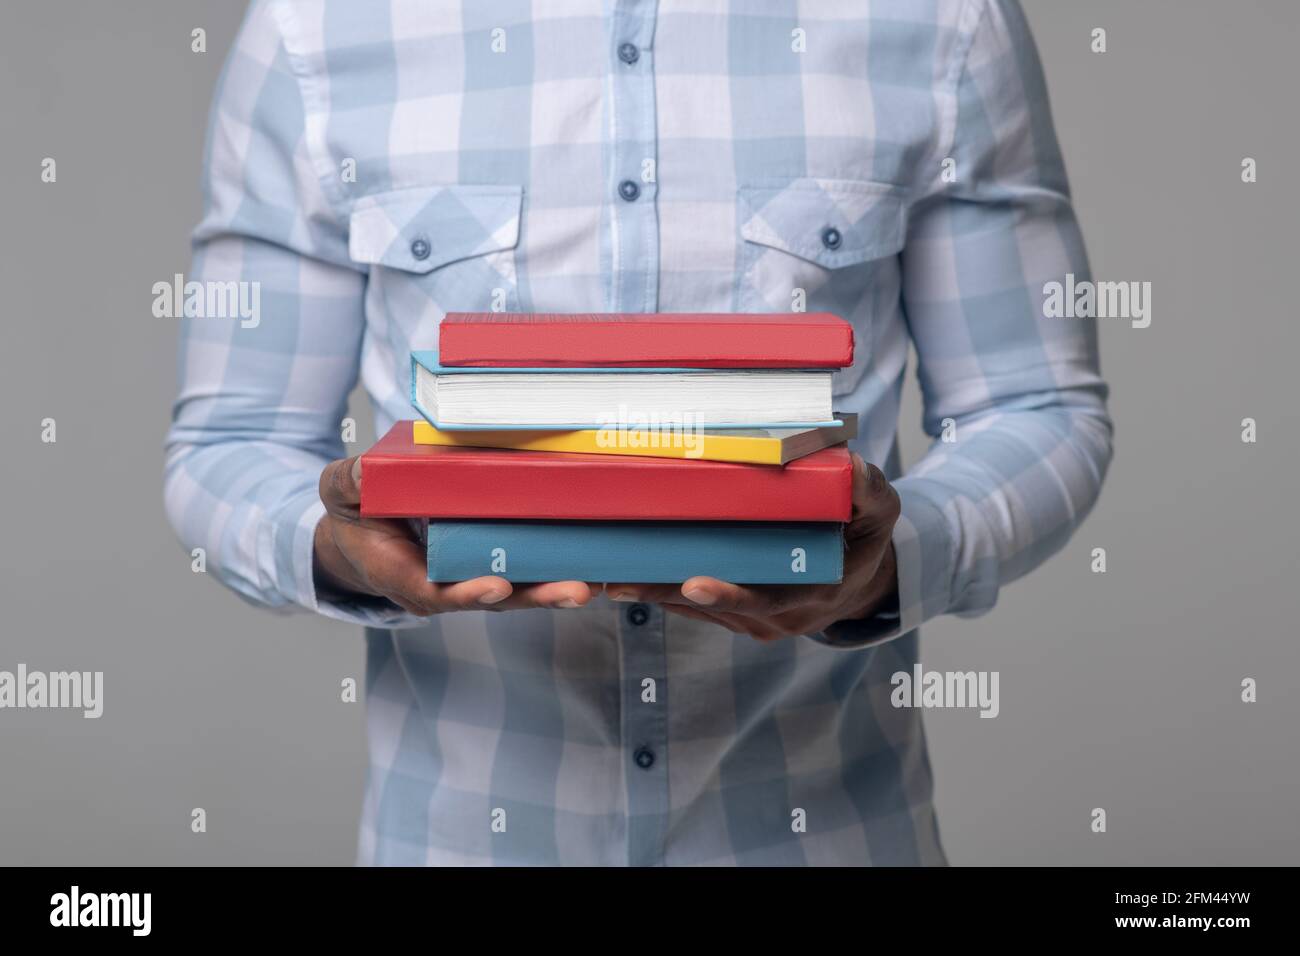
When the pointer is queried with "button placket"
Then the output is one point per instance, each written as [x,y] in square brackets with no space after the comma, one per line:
[633,235]
[645,730]
[633,219]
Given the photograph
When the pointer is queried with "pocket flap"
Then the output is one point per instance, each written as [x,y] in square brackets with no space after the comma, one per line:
[418,230]
[833,222]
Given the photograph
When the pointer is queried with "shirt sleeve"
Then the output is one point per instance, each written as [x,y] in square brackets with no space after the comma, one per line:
[1014,402]
[263,387]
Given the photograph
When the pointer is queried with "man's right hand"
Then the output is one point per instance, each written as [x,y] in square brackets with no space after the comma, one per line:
[378,556]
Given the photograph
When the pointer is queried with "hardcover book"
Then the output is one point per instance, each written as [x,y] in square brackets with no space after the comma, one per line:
[636,552]
[402,479]
[575,398]
[687,340]
[758,446]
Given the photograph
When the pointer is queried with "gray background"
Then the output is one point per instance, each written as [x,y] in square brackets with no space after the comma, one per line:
[1119,690]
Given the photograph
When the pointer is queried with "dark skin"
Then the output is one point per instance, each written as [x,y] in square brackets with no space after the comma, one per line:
[773,612]
[378,557]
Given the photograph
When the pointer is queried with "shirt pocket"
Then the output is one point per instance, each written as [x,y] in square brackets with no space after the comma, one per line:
[823,245]
[437,249]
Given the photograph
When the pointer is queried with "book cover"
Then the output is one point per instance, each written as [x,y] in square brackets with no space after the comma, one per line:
[686,340]
[400,478]
[771,446]
[646,393]
[636,552]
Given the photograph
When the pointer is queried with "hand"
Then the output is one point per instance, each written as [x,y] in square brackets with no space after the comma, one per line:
[772,612]
[378,556]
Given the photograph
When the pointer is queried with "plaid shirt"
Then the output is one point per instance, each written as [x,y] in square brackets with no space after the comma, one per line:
[374,165]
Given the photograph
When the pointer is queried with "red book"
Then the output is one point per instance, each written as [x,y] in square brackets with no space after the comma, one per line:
[623,340]
[400,479]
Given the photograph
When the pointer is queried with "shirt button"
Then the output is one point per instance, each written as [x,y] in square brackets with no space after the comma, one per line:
[638,614]
[644,757]
[831,238]
[628,53]
[629,190]
[420,248]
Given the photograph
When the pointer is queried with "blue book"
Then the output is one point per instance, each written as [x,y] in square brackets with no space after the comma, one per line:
[478,398]
[636,551]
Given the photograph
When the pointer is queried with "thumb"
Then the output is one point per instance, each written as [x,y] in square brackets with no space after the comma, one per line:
[875,502]
[340,485]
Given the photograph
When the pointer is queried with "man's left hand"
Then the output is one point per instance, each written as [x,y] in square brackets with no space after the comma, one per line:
[772,612]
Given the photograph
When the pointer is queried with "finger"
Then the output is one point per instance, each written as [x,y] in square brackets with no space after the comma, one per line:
[550,594]
[471,595]
[475,595]
[875,502]
[394,566]
[340,487]
[715,595]
[719,595]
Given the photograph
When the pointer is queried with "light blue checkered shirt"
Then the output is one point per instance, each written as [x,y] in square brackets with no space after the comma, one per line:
[374,165]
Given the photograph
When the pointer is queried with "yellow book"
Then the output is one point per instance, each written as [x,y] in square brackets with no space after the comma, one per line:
[756,446]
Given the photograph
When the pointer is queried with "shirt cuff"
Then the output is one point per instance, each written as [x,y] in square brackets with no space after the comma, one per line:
[925,556]
[294,552]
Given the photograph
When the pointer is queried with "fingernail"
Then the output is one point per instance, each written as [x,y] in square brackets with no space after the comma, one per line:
[492,597]
[700,596]
[622,596]
[567,602]
[356,472]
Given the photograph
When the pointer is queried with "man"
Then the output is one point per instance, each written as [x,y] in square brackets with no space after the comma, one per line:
[374,166]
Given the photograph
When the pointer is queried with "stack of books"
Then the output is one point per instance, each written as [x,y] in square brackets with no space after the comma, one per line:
[624,448]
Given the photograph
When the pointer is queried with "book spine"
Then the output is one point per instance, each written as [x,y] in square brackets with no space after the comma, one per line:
[701,344]
[645,552]
[540,485]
